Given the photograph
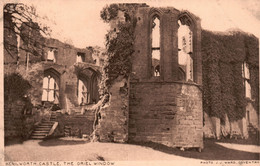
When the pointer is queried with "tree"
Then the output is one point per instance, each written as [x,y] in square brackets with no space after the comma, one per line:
[23,30]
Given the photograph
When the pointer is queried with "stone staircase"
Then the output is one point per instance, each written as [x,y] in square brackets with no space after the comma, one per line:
[42,130]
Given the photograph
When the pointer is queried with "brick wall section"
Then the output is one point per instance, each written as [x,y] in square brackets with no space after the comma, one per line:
[166,113]
[113,125]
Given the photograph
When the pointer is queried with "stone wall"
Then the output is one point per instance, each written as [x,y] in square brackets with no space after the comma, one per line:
[17,124]
[164,109]
[112,125]
[13,119]
[75,124]
[214,129]
[66,54]
[167,113]
[161,109]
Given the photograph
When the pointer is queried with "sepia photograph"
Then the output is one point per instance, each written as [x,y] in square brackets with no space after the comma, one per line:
[131,82]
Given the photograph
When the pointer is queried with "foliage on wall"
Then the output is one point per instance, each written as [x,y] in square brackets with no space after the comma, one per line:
[223,55]
[119,43]
[15,87]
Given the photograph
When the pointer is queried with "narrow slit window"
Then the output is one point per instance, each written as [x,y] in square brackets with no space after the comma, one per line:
[156,69]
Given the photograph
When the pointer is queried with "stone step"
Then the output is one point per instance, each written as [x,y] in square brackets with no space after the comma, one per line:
[39,134]
[46,124]
[37,137]
[40,131]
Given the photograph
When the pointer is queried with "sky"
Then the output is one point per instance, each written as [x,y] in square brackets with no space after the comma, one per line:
[79,23]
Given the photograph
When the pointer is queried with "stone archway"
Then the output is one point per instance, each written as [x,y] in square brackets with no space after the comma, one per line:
[87,87]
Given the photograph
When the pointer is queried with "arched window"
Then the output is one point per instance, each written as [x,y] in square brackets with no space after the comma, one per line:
[50,90]
[185,47]
[83,94]
[87,91]
[155,42]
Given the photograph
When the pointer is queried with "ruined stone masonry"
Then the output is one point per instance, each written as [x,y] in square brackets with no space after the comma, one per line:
[60,75]
[160,100]
[161,108]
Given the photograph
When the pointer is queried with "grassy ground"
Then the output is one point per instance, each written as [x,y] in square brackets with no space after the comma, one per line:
[77,149]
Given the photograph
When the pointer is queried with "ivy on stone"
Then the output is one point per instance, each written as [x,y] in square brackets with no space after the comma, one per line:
[222,56]
[119,44]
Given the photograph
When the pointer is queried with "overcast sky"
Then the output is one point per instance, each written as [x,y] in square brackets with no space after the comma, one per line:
[78,21]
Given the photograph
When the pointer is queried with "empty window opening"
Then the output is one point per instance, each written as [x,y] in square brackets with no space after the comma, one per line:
[51,55]
[185,49]
[83,94]
[246,77]
[50,90]
[80,57]
[156,69]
